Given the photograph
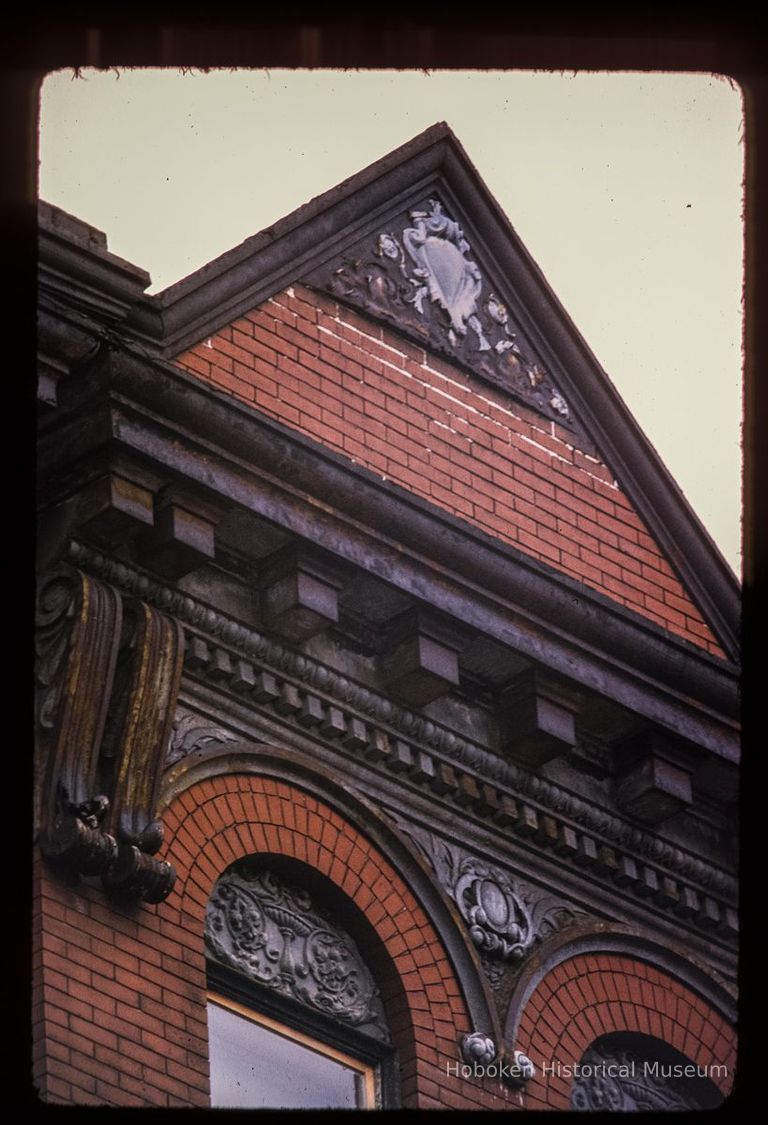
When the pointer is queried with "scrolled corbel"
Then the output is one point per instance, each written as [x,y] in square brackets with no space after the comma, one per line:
[75,836]
[78,625]
[107,682]
[135,874]
[150,674]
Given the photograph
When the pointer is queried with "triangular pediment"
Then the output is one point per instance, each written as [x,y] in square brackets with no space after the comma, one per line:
[416,243]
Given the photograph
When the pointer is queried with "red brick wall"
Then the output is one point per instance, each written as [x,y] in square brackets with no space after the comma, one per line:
[449,438]
[594,994]
[119,1007]
[117,1017]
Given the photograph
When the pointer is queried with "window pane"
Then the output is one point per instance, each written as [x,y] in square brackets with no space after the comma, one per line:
[254,1066]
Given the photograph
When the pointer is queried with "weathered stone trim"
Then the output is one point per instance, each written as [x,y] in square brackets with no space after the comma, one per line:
[340,710]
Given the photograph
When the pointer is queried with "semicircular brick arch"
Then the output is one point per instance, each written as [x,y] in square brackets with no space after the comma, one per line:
[589,995]
[223,818]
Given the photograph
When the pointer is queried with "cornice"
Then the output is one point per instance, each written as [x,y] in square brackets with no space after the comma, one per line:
[162,416]
[304,692]
[75,266]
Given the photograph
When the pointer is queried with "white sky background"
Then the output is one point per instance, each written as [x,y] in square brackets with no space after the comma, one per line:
[625,188]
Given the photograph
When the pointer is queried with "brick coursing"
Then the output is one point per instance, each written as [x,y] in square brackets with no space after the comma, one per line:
[449,438]
[119,996]
[591,995]
[119,1008]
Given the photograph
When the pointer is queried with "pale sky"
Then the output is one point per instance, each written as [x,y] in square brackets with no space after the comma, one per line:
[625,188]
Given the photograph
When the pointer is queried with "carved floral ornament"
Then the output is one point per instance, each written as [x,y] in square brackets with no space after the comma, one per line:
[272,932]
[422,276]
[499,921]
[483,1059]
[505,919]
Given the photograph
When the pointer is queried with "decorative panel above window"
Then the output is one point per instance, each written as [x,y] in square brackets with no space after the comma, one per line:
[272,932]
[627,1072]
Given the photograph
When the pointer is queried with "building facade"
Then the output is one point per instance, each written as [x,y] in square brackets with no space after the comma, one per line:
[387,718]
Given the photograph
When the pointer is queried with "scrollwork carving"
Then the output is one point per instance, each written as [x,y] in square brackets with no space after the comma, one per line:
[190,733]
[616,1079]
[478,1049]
[53,625]
[550,916]
[495,971]
[137,874]
[77,838]
[496,914]
[499,922]
[525,1068]
[421,275]
[503,916]
[272,932]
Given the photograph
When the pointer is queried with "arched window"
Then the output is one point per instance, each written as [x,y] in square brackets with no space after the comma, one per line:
[295,1018]
[626,1072]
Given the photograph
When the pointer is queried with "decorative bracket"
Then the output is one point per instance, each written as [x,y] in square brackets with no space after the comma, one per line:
[653,774]
[104,718]
[109,510]
[153,659]
[61,348]
[78,623]
[421,658]
[112,509]
[537,717]
[299,595]
[182,537]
